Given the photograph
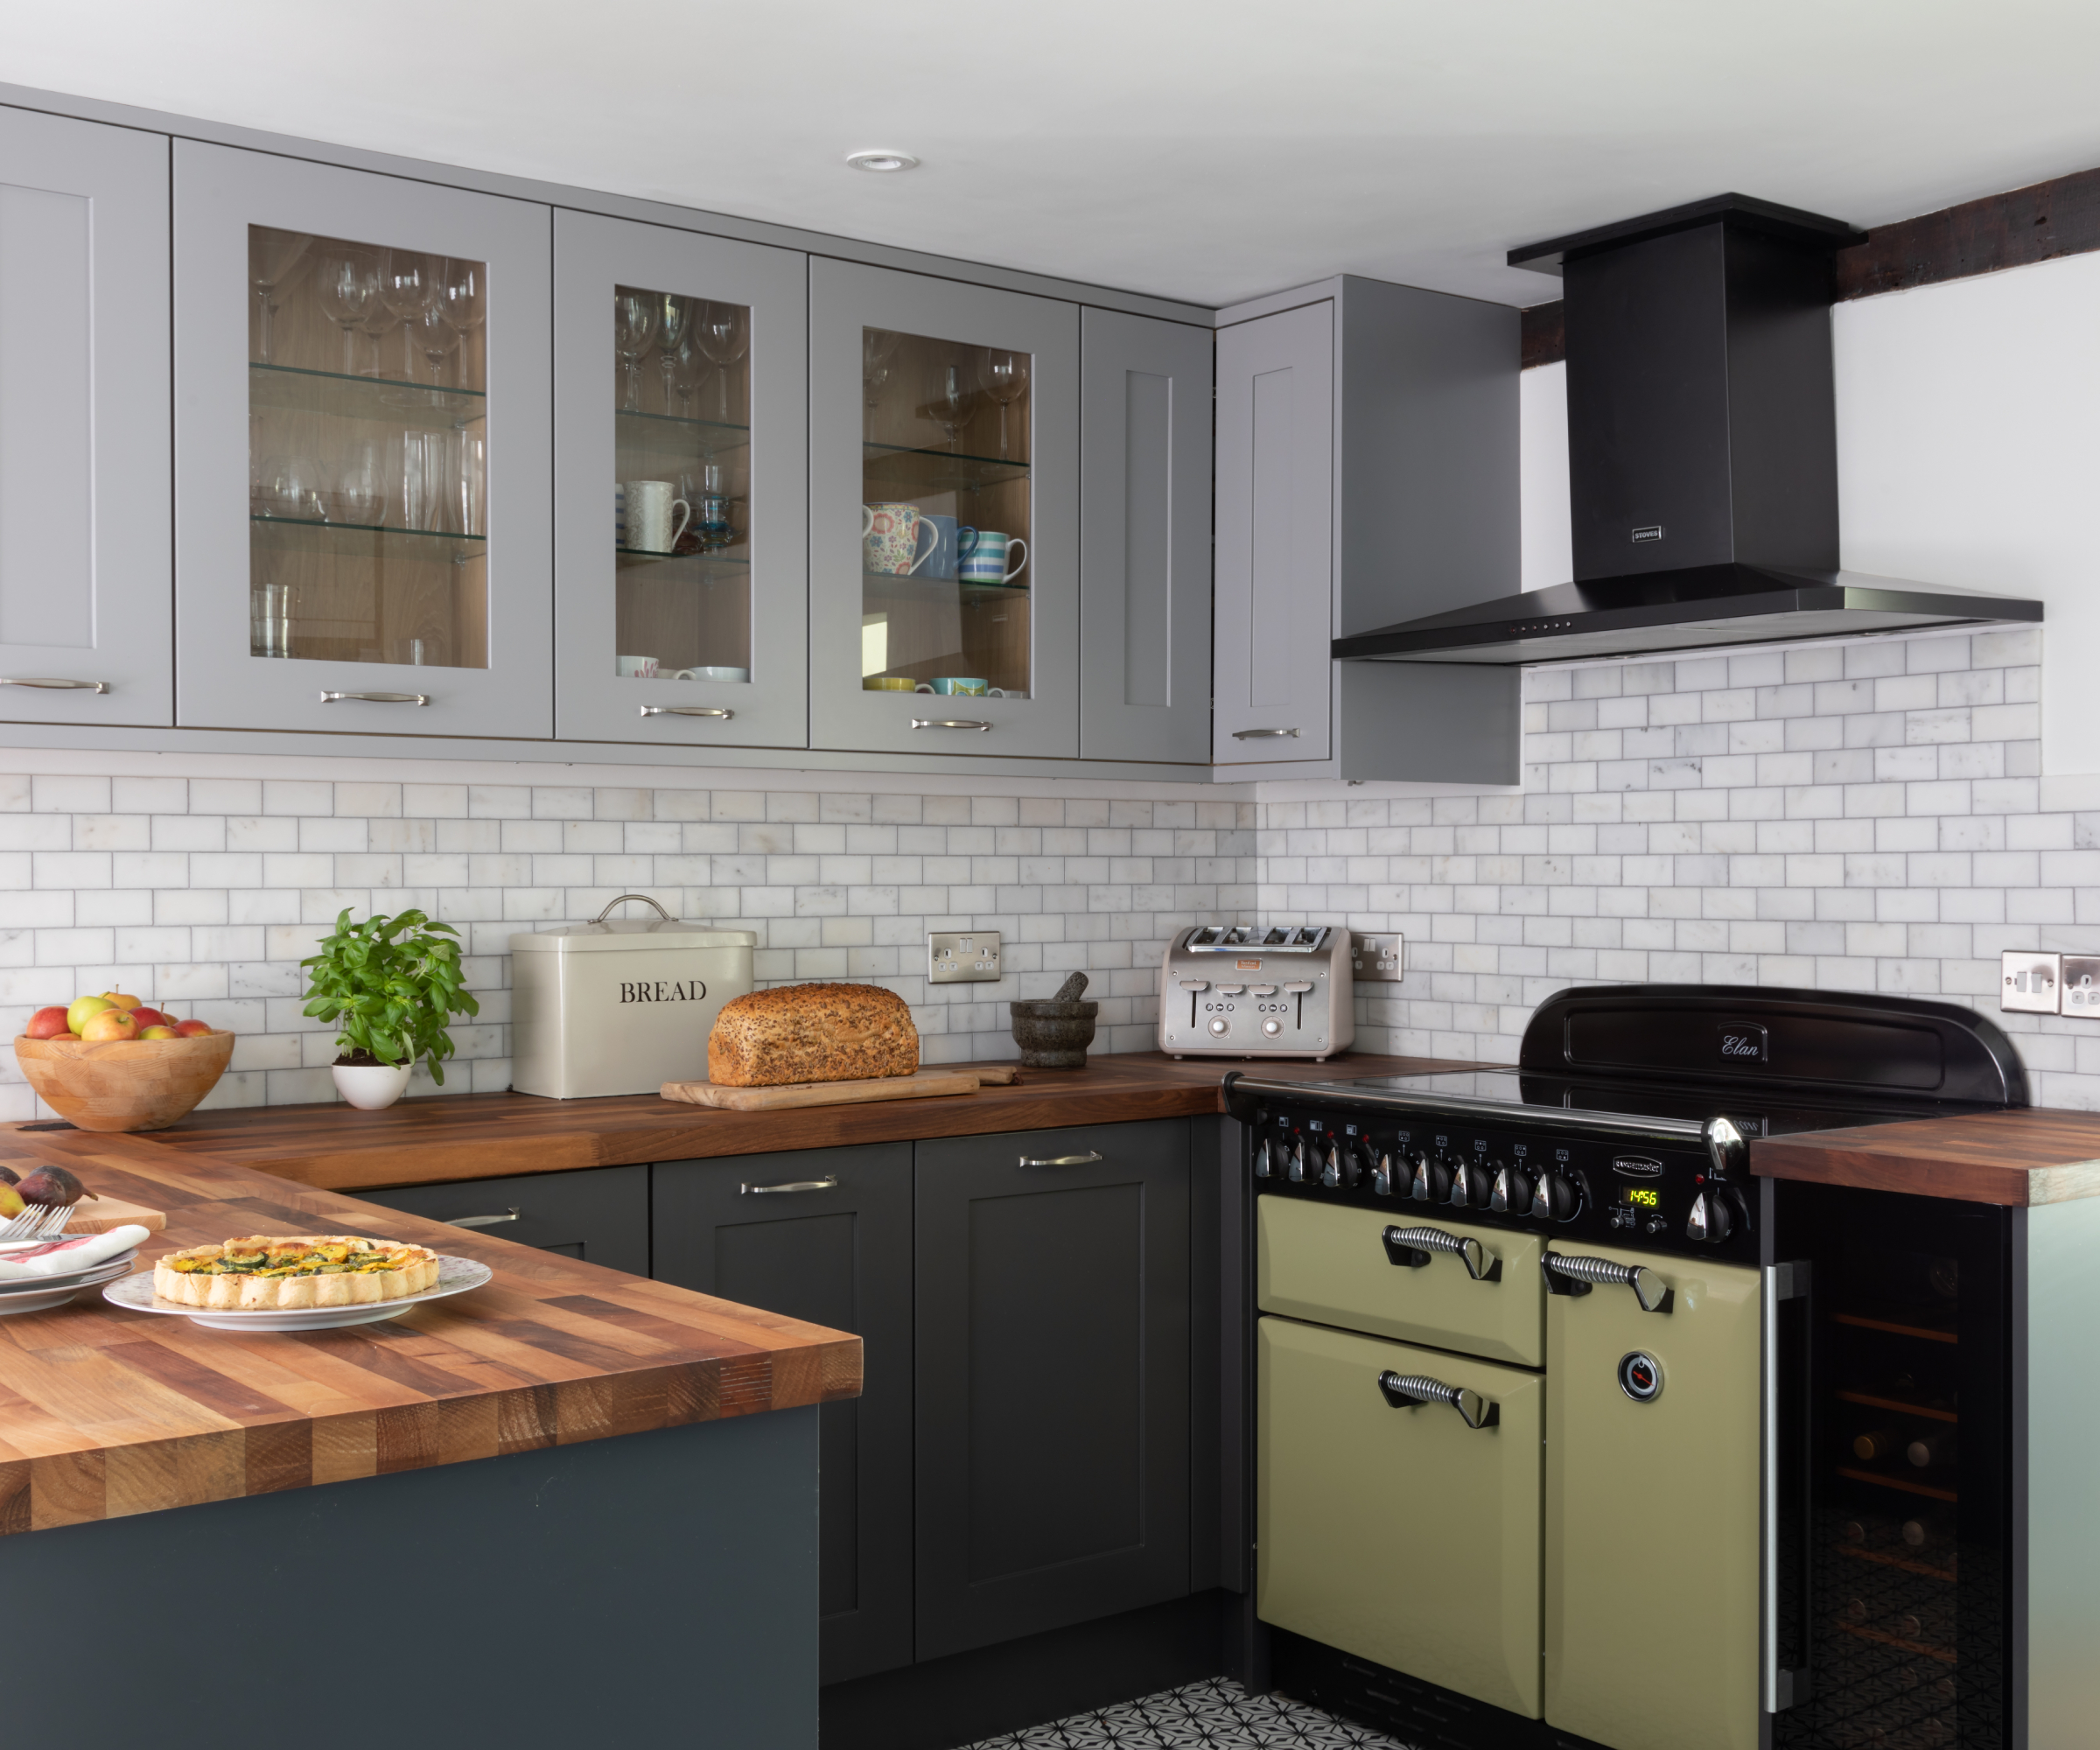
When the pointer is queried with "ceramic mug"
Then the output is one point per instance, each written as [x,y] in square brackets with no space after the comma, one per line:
[889,538]
[888,684]
[650,526]
[984,556]
[637,668]
[713,671]
[944,557]
[967,686]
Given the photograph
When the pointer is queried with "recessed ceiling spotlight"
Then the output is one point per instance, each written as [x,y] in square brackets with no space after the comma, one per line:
[882,161]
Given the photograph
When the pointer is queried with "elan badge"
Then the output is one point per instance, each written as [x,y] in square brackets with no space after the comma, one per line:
[1744,1042]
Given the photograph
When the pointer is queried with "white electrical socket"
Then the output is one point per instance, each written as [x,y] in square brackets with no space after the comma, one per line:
[2029,983]
[2081,986]
[963,957]
[1378,959]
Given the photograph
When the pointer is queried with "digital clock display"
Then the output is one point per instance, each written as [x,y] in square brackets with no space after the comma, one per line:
[1640,1196]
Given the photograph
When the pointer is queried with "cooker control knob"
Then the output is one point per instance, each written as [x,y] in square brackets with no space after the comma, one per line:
[1557,1199]
[1298,1162]
[1330,1175]
[1470,1186]
[1383,1168]
[1219,1025]
[1268,1158]
[1431,1182]
[1710,1219]
[1511,1191]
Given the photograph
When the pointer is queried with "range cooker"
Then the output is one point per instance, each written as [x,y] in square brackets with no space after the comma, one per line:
[1571,1432]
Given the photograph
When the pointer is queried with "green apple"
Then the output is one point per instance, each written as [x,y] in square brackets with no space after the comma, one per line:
[76,1016]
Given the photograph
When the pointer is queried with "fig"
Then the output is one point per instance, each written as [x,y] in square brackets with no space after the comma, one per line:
[54,1187]
[9,1176]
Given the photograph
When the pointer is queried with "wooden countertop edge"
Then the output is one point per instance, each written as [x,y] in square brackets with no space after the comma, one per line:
[1920,1168]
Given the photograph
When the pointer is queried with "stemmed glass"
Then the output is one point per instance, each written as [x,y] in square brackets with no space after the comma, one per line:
[673,316]
[634,315]
[688,371]
[1004,376]
[349,285]
[462,295]
[722,332]
[378,324]
[878,347]
[408,286]
[433,334]
[272,256]
[948,403]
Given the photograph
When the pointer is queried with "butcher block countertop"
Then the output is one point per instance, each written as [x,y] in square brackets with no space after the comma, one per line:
[483,1135]
[104,1413]
[2021,1156]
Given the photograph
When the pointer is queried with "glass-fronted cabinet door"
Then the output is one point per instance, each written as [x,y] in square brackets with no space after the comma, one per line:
[943,516]
[681,461]
[363,421]
[86,523]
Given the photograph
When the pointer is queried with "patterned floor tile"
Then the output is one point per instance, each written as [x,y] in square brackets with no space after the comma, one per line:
[1217,1714]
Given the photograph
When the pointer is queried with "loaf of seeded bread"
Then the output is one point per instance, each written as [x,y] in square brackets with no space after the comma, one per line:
[812,1032]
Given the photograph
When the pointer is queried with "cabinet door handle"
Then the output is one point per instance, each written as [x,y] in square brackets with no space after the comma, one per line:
[684,710]
[1260,734]
[54,683]
[1413,1390]
[828,1182]
[380,698]
[949,723]
[1086,1159]
[483,1220]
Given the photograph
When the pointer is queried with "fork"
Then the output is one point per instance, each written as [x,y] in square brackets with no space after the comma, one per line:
[38,1223]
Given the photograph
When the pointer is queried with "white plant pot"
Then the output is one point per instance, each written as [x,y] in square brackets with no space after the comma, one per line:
[370,1085]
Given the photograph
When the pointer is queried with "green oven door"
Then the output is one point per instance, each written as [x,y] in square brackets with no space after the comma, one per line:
[1652,1470]
[1391,1526]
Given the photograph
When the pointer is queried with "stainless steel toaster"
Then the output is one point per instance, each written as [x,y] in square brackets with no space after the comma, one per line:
[1241,990]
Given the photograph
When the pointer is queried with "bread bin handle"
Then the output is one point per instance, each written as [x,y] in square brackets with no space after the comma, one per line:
[623,900]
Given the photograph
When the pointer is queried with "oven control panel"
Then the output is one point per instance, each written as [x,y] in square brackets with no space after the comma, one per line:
[1574,1187]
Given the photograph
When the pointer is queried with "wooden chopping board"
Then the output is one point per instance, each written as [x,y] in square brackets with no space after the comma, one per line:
[923,1085]
[90,1216]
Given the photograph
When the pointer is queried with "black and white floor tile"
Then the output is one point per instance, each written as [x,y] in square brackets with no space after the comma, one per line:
[1215,1715]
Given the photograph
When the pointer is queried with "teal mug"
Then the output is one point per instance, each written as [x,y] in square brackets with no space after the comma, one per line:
[968,686]
[984,553]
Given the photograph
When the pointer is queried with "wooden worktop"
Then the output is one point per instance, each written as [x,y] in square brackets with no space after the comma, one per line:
[482,1136]
[2021,1156]
[104,1412]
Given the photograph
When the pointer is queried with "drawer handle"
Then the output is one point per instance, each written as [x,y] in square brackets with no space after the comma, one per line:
[949,723]
[828,1182]
[55,684]
[1413,1390]
[685,711]
[1086,1159]
[483,1220]
[380,698]
[1261,734]
[1582,1274]
[1410,1247]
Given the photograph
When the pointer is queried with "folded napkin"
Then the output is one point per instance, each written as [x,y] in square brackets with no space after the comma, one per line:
[62,1257]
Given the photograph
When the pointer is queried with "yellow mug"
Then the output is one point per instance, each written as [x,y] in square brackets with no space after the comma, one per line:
[888,684]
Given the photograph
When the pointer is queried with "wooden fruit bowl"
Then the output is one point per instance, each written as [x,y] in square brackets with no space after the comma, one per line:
[124,1084]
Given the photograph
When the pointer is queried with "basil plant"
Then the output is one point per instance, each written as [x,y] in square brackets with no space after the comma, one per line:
[391,984]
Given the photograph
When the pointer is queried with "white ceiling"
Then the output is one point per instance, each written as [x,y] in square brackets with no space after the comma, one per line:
[1207,152]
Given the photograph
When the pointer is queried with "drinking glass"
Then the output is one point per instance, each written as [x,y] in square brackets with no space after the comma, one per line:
[688,371]
[462,294]
[1005,378]
[473,483]
[723,332]
[377,326]
[634,315]
[408,286]
[348,280]
[435,338]
[948,403]
[878,347]
[272,256]
[293,488]
[361,484]
[673,316]
[269,619]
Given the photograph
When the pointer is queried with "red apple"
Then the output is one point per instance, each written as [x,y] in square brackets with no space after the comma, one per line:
[47,1023]
[191,1029]
[110,1024]
[156,1032]
[151,1018]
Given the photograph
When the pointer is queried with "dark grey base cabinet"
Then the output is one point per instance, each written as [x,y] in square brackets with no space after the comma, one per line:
[598,1213]
[1020,1460]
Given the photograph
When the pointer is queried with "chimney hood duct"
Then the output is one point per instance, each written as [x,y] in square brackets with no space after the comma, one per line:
[1702,455]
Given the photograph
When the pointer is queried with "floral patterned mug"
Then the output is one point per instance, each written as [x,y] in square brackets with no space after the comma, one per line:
[889,538]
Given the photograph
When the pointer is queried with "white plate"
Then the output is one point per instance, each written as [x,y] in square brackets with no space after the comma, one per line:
[455,1275]
[73,1278]
[41,1297]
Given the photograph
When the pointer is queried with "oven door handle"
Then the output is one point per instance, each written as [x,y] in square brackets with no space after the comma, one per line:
[1413,1390]
[1571,1275]
[1410,1247]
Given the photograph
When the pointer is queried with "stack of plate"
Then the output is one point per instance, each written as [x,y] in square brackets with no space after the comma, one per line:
[38,1294]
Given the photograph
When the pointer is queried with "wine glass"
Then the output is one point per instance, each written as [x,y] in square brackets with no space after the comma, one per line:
[348,280]
[433,334]
[360,485]
[878,347]
[688,371]
[272,257]
[948,403]
[1005,378]
[378,324]
[462,289]
[408,286]
[722,331]
[634,315]
[673,315]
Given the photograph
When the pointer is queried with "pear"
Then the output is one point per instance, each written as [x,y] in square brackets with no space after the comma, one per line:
[11,1203]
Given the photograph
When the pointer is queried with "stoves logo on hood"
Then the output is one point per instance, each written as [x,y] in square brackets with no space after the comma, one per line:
[1636,1167]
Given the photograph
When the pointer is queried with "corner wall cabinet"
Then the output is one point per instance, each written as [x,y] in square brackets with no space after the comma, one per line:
[681,463]
[86,520]
[363,428]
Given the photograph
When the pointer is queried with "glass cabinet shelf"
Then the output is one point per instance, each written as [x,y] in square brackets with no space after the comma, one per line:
[635,426]
[392,400]
[737,559]
[355,537]
[911,469]
[905,583]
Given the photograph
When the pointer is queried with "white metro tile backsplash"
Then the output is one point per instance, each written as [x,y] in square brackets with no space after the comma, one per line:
[1865,815]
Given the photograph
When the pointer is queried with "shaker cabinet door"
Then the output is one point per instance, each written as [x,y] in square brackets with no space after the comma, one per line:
[1275,537]
[943,516]
[1144,539]
[682,609]
[598,1213]
[86,520]
[363,421]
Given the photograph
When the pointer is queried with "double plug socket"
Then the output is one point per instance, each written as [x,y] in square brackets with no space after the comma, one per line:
[963,957]
[2049,984]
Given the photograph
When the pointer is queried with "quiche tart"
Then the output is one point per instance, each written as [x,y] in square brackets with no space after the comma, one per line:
[263,1274]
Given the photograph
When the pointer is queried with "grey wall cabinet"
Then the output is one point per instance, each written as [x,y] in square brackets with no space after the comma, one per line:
[86,520]
[824,1235]
[1053,1379]
[739,600]
[1145,459]
[1366,473]
[599,1214]
[429,576]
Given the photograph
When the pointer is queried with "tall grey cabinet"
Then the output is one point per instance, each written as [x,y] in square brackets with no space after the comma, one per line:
[85,514]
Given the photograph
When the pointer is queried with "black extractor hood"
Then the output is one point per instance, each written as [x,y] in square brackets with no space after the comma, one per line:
[1702,455]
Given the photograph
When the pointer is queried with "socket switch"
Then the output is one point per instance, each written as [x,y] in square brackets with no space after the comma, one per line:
[2030,983]
[963,957]
[2082,986]
[1378,959]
